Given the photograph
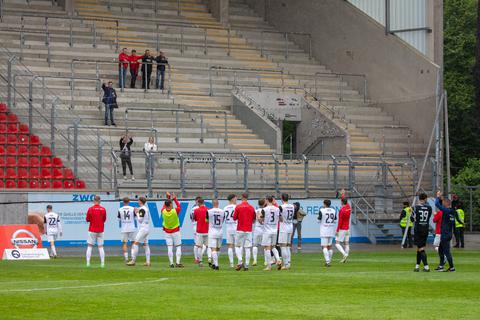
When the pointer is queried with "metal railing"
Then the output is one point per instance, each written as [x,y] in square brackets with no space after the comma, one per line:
[342,86]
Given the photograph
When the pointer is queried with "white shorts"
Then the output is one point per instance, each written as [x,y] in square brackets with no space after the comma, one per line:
[269,239]
[95,238]
[243,239]
[326,241]
[173,239]
[51,237]
[436,241]
[128,236]
[201,239]
[215,242]
[285,238]
[257,239]
[142,236]
[231,237]
[343,236]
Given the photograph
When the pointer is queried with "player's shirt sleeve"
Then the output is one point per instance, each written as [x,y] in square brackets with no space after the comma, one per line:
[44,220]
[118,215]
[235,214]
[319,215]
[88,215]
[104,213]
[177,205]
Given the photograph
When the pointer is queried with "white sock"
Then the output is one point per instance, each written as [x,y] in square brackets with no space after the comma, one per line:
[436,249]
[54,251]
[101,252]
[275,254]
[426,267]
[200,253]
[203,251]
[178,254]
[170,254]
[326,255]
[347,249]
[147,253]
[230,255]
[195,254]
[125,255]
[238,251]
[134,252]
[89,254]
[330,253]
[289,254]
[255,253]
[247,256]
[340,249]
[209,254]
[417,266]
[268,257]
[284,255]
[215,258]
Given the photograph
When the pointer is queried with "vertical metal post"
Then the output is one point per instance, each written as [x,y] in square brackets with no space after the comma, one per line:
[1,10]
[94,41]
[145,75]
[225,140]
[99,160]
[309,47]
[122,77]
[277,182]
[158,35]
[471,208]
[305,175]
[75,147]
[286,46]
[387,17]
[341,88]
[71,33]
[11,60]
[182,173]
[52,124]
[30,102]
[335,173]
[109,5]
[259,83]
[383,142]
[261,44]
[149,173]
[228,41]
[201,128]
[117,44]
[210,81]
[46,31]
[177,129]
[178,8]
[364,89]
[214,175]
[132,5]
[447,145]
[235,78]
[245,172]
[205,41]
[315,84]
[44,93]
[156,7]
[409,136]
[181,41]
[49,60]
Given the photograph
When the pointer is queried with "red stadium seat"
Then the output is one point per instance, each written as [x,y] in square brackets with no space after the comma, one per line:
[3,128]
[46,162]
[22,184]
[46,152]
[11,174]
[68,174]
[22,162]
[34,184]
[34,162]
[2,173]
[46,173]
[34,140]
[57,163]
[57,184]
[22,173]
[3,139]
[3,118]
[34,151]
[3,107]
[57,174]
[2,151]
[80,184]
[34,173]
[23,151]
[68,184]
[12,118]
[11,162]
[12,139]
[11,184]
[23,139]
[2,184]
[12,128]
[45,184]
[2,162]
[11,151]
[23,128]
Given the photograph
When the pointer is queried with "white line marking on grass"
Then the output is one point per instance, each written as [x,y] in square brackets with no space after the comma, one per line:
[115,284]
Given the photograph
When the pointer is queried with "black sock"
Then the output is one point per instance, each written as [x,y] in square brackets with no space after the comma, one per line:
[424,258]
[419,258]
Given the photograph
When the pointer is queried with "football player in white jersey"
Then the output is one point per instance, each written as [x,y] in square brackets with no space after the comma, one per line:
[53,229]
[258,231]
[328,227]
[286,230]
[216,218]
[231,225]
[270,218]
[143,216]
[194,227]
[128,226]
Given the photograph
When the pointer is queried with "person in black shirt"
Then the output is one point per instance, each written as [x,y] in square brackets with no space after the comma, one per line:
[422,213]
[161,66]
[126,155]
[147,66]
[110,101]
[449,216]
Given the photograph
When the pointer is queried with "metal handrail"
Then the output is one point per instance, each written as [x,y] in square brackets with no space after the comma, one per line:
[341,76]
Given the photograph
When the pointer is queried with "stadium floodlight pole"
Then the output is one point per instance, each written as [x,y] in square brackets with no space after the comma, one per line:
[424,164]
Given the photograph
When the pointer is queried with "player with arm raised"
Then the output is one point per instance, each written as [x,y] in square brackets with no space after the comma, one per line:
[53,229]
[328,224]
[286,231]
[270,217]
[215,218]
[421,215]
[343,229]
[245,216]
[143,216]
[96,217]
[258,231]
[231,225]
[171,227]
[126,217]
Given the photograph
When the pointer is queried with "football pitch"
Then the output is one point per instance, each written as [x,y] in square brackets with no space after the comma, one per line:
[372,285]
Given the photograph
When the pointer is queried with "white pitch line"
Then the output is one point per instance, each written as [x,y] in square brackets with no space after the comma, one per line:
[115,284]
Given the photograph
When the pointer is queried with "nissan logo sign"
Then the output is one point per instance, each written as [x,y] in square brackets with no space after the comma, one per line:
[24,238]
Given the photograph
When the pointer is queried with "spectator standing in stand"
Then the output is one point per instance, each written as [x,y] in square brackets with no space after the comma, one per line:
[134,65]
[123,60]
[126,155]
[150,148]
[147,65]
[110,101]
[161,66]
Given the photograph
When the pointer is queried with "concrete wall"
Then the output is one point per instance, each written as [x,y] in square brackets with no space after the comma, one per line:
[265,129]
[13,213]
[219,10]
[347,40]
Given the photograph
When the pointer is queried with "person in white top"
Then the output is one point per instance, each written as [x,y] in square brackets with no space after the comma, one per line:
[286,231]
[53,229]
[128,227]
[216,218]
[150,148]
[231,225]
[258,231]
[143,216]
[194,227]
[327,218]
[270,218]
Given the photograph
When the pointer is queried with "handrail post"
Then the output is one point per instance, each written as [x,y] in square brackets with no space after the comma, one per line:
[122,78]
[22,42]
[94,30]
[341,88]
[305,175]
[149,159]
[205,42]
[178,8]
[261,44]
[309,47]
[182,173]
[46,31]
[210,81]
[181,40]
[259,83]
[364,89]
[11,61]
[225,140]
[177,129]
[114,173]
[132,5]
[335,173]
[117,41]
[277,182]
[214,175]
[156,8]
[228,41]
[71,33]
[99,160]
[351,174]
[52,124]
[30,102]
[315,84]
[169,91]
[109,5]
[286,46]
[245,173]
[44,94]
[201,129]
[75,146]
[409,136]
[158,33]
[49,59]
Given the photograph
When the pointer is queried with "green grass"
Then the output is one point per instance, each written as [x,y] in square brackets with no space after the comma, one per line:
[370,286]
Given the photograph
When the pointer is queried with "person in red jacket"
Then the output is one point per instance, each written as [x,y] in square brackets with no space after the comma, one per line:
[245,215]
[437,219]
[96,217]
[200,216]
[122,68]
[134,66]
[343,229]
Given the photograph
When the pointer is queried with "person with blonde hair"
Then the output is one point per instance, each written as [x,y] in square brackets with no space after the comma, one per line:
[150,148]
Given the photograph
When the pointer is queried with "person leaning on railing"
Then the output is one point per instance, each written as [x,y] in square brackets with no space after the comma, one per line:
[126,155]
[110,101]
[134,65]
[147,66]
[162,62]
[122,68]
[150,148]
